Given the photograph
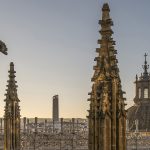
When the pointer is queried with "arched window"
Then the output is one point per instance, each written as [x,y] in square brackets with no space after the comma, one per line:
[139,92]
[145,92]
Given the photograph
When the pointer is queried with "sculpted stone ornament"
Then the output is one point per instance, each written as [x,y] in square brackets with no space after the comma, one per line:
[106,103]
[3,48]
[99,90]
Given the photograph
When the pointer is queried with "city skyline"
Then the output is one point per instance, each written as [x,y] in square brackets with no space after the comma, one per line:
[52,45]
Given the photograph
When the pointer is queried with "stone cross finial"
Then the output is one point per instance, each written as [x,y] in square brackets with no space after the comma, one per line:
[145,58]
[145,66]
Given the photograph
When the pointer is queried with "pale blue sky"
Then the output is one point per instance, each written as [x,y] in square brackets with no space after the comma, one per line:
[52,44]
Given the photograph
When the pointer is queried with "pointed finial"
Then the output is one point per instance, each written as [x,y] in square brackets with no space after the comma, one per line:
[136,77]
[105,11]
[105,7]
[11,66]
[145,66]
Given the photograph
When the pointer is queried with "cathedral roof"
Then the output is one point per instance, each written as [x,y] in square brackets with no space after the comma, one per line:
[142,114]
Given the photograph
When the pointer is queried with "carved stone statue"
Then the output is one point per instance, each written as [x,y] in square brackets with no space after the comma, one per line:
[105,103]
[3,48]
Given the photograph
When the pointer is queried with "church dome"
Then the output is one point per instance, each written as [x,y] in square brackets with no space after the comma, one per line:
[140,112]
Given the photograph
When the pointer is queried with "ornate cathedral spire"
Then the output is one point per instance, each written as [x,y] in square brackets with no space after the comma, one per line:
[12,114]
[107,116]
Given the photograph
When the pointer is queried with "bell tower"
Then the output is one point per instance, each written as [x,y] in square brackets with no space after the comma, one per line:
[140,111]
[143,84]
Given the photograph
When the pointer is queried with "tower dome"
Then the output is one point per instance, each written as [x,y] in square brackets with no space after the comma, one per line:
[141,109]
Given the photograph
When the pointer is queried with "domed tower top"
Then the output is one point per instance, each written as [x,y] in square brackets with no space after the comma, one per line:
[143,84]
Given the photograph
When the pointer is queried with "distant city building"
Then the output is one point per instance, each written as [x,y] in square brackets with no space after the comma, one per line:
[55,108]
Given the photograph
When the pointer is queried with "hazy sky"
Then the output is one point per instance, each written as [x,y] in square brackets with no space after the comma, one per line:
[52,44]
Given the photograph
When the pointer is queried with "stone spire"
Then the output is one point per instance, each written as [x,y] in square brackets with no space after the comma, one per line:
[107,115]
[12,114]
